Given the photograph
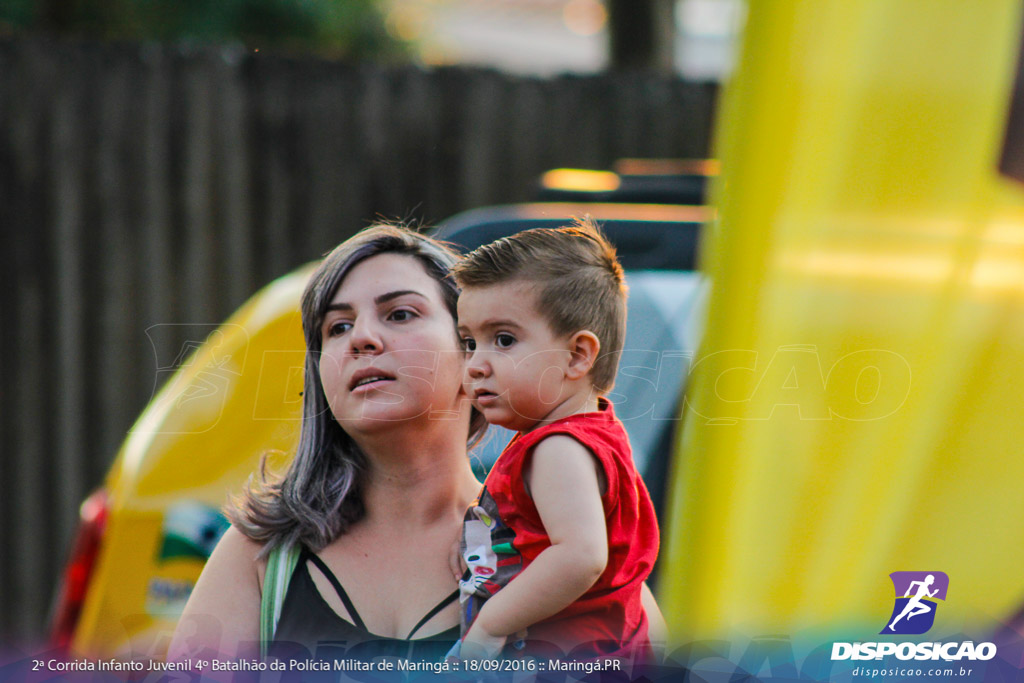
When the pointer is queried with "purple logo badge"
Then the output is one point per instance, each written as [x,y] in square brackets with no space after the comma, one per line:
[916,595]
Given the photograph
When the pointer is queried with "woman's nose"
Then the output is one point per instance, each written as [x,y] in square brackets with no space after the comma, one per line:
[364,336]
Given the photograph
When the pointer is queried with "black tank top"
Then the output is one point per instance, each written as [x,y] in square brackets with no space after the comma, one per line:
[309,627]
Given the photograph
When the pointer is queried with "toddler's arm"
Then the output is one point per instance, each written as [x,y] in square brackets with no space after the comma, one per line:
[564,482]
[657,628]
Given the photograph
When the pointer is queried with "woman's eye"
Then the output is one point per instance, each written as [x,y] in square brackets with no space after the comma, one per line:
[339,327]
[469,344]
[503,340]
[401,315]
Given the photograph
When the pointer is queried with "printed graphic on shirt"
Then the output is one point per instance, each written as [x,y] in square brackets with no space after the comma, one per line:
[490,554]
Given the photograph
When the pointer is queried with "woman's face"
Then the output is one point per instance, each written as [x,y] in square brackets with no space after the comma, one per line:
[390,353]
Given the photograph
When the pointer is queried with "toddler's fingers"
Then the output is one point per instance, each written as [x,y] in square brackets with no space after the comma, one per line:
[455,560]
[455,653]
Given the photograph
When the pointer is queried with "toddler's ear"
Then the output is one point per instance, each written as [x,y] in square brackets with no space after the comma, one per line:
[584,347]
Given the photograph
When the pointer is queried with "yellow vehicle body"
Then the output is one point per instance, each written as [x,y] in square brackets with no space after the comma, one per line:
[237,398]
[855,408]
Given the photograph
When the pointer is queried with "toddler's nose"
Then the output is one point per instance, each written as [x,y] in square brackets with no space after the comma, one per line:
[477,366]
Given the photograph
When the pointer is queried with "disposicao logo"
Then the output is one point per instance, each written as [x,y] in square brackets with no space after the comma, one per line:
[916,595]
[913,614]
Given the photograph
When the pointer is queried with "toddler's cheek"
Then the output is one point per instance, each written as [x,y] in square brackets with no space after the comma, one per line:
[540,390]
[549,386]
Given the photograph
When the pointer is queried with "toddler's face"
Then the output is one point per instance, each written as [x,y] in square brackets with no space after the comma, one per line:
[515,364]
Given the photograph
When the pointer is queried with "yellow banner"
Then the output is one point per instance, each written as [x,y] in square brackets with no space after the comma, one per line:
[856,408]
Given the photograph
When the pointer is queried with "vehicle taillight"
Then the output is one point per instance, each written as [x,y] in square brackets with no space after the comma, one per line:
[75,582]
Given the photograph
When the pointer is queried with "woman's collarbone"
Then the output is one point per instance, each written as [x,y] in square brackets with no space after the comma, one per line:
[392,595]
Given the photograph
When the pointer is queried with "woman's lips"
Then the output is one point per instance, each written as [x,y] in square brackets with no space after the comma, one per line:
[368,378]
[371,385]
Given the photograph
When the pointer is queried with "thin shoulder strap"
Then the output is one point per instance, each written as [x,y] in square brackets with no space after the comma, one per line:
[432,613]
[322,566]
[281,564]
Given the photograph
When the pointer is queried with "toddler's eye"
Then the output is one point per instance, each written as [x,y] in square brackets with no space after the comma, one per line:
[469,344]
[504,340]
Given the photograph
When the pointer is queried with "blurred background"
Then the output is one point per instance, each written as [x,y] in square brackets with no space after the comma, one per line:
[160,160]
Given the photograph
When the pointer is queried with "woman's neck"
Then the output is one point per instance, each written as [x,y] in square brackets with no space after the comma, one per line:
[417,477]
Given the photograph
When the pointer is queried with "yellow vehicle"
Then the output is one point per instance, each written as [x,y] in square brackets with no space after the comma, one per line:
[146,536]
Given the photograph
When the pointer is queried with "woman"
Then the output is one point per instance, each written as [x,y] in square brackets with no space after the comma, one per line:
[381,478]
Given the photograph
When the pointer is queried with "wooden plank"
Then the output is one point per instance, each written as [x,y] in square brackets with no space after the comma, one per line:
[113,267]
[657,126]
[69,171]
[696,106]
[418,107]
[626,107]
[271,158]
[450,85]
[326,142]
[136,378]
[34,380]
[529,133]
[372,126]
[480,155]
[198,285]
[233,178]
[157,247]
[296,210]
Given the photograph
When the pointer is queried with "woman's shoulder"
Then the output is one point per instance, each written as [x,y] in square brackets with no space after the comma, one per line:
[238,555]
[223,611]
[236,543]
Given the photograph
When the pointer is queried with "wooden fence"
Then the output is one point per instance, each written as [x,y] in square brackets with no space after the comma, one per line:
[146,191]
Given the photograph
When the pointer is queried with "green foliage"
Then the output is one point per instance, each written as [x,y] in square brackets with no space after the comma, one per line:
[339,28]
[16,13]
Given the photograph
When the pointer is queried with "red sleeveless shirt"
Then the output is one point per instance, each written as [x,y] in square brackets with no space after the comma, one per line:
[608,619]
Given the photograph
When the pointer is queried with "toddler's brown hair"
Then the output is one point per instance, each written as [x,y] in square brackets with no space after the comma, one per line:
[579,283]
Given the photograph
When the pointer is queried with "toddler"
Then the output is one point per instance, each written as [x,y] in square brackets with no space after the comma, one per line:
[563,534]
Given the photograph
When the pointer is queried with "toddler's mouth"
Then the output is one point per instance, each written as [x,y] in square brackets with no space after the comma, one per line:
[484,398]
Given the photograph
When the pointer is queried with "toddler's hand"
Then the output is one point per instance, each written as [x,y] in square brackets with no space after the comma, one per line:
[478,644]
[456,562]
[454,654]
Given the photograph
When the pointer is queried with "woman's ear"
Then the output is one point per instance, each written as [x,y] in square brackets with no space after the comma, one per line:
[584,347]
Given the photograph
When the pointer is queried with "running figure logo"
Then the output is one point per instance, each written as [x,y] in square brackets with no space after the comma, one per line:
[916,595]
